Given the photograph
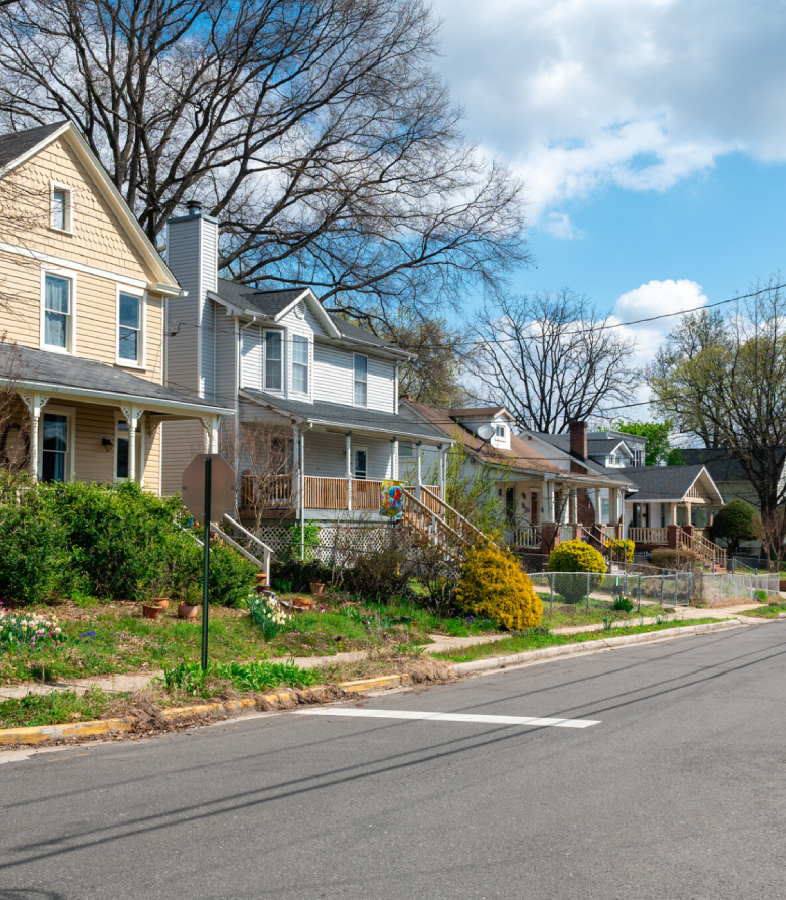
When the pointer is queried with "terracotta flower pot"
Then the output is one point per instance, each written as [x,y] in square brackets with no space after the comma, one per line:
[150,610]
[163,602]
[186,611]
[317,588]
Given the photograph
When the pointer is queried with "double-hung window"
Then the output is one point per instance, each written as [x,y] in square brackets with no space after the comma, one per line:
[129,329]
[300,364]
[273,360]
[58,309]
[361,380]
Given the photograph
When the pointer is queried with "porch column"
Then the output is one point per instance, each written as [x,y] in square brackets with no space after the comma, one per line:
[573,498]
[418,492]
[34,402]
[131,414]
[598,517]
[394,461]
[442,474]
[688,516]
[296,474]
[349,470]
[301,493]
[673,513]
[548,501]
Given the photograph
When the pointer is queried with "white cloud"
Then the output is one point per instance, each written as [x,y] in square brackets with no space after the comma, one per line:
[558,225]
[583,94]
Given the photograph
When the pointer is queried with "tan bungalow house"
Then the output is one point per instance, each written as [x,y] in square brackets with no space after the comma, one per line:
[83,300]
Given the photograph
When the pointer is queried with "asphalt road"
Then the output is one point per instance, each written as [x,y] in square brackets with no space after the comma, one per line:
[679,791]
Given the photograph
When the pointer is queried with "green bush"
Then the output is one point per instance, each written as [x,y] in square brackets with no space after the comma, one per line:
[494,586]
[232,577]
[578,557]
[735,523]
[34,560]
[296,575]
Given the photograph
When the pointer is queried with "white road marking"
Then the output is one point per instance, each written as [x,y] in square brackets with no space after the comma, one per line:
[450,717]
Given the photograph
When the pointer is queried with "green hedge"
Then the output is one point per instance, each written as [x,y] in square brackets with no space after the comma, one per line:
[109,542]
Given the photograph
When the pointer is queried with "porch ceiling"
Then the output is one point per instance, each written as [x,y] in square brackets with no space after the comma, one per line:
[350,418]
[69,376]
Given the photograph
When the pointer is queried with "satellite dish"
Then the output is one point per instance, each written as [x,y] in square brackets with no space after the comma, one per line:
[486,432]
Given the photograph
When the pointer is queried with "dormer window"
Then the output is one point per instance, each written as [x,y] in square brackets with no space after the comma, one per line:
[60,217]
[501,431]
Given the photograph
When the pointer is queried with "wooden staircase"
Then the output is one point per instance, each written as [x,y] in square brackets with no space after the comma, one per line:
[710,554]
[433,518]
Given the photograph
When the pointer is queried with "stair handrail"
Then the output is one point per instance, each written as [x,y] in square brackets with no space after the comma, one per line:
[240,549]
[462,519]
[266,550]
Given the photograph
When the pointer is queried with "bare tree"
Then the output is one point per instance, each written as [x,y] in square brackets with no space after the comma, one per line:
[770,531]
[734,387]
[551,359]
[316,130]
[265,453]
[24,215]
[14,423]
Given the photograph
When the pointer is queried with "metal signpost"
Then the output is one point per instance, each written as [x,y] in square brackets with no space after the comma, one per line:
[208,491]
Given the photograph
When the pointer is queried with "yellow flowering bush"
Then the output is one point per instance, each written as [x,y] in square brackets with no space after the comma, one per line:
[576,556]
[494,586]
[621,549]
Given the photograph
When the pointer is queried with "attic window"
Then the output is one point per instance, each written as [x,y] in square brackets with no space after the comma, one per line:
[300,310]
[500,431]
[60,208]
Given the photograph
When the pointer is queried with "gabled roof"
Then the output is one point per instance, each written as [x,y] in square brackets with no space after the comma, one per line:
[521,455]
[718,463]
[74,375]
[18,147]
[320,413]
[274,304]
[662,483]
[479,412]
[595,446]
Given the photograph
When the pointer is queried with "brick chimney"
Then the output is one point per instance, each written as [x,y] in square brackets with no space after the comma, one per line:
[578,439]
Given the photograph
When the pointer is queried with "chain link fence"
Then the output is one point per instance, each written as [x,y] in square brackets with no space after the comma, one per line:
[630,590]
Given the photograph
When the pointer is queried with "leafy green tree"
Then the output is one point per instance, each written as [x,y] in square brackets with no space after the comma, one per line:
[657,448]
[735,522]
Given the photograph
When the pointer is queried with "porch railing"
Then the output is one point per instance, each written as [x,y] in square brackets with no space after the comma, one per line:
[525,535]
[275,491]
[709,552]
[325,493]
[658,536]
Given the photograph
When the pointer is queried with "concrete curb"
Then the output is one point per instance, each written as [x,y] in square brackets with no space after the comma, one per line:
[41,734]
[527,656]
[281,699]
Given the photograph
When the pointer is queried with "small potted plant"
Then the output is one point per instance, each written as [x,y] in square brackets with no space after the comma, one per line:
[189,604]
[151,610]
[159,588]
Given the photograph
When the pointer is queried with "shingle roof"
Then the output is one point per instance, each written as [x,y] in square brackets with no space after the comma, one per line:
[350,416]
[26,365]
[17,143]
[662,482]
[271,303]
[595,446]
[475,411]
[718,463]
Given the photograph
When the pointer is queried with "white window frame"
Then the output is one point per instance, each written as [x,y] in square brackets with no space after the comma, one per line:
[293,389]
[69,275]
[140,457]
[69,207]
[355,381]
[70,413]
[282,335]
[355,450]
[500,431]
[141,362]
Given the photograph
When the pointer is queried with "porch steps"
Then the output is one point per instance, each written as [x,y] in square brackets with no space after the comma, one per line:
[431,517]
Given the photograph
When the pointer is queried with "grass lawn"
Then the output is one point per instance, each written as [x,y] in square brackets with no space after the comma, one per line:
[771,611]
[575,614]
[104,639]
[537,638]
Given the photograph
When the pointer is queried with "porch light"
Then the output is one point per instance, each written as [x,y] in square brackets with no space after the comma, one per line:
[107,444]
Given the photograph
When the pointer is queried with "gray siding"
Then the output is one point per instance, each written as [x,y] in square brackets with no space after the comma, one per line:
[334,378]
[226,352]
[326,457]
[182,327]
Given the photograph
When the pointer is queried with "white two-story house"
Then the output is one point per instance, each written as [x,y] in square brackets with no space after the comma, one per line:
[327,389]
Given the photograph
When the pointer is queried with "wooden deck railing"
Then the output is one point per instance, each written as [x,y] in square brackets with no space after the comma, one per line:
[655,536]
[709,552]
[325,493]
[272,492]
[525,536]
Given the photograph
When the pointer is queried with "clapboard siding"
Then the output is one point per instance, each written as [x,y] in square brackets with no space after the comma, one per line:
[183,258]
[325,455]
[207,380]
[251,358]
[226,351]
[333,375]
[381,385]
[180,442]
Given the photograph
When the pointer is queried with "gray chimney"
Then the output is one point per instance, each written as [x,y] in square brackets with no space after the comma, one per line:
[192,255]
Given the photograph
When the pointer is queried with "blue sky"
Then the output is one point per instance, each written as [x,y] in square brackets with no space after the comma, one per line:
[651,135]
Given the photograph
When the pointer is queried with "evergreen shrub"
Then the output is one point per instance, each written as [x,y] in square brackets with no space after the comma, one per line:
[576,556]
[675,560]
[494,586]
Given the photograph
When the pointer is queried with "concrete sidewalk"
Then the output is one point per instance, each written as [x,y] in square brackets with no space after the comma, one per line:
[439,644]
